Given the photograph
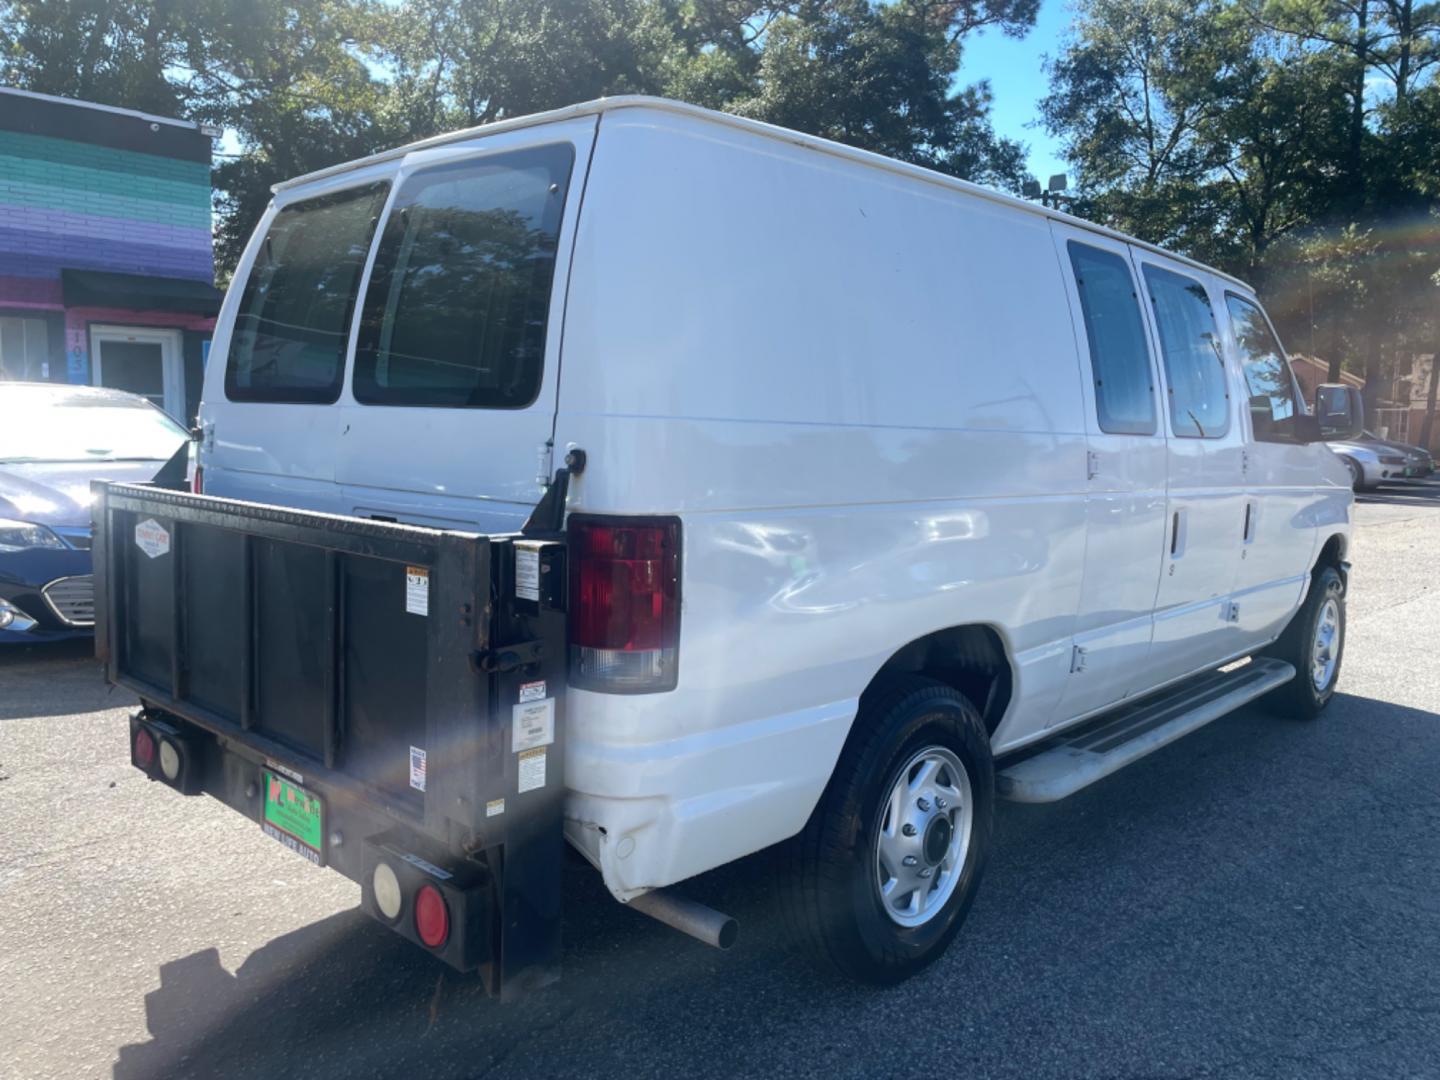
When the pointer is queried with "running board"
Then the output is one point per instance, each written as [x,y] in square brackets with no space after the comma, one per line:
[1077,759]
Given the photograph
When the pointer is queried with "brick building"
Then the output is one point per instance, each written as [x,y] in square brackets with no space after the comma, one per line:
[1400,408]
[106,261]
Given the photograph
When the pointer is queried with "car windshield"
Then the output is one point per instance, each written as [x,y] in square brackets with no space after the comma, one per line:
[45,427]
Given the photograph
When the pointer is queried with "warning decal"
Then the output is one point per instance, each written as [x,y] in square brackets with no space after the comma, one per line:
[151,538]
[532,724]
[417,590]
[532,770]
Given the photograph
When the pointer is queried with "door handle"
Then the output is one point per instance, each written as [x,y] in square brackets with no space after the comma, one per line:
[1177,533]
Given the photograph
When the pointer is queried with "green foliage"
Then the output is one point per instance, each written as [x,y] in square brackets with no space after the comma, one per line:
[1292,142]
[879,77]
[307,83]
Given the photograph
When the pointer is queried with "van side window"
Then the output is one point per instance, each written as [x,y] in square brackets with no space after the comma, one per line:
[1119,357]
[458,301]
[1194,364]
[290,334]
[1267,372]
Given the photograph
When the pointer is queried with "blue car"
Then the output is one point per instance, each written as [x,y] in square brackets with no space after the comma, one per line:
[54,440]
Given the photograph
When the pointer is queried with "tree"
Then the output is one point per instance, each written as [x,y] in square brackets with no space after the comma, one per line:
[874,75]
[458,63]
[302,84]
[115,52]
[292,79]
[1251,135]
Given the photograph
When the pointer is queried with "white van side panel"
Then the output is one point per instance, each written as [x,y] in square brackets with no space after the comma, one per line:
[731,301]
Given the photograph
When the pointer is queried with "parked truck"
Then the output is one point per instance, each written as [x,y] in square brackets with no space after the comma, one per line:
[685,487]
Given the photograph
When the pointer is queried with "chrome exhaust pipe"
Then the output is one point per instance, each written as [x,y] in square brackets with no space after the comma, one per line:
[683,914]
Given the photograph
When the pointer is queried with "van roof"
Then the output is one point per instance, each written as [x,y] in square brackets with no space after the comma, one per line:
[772,131]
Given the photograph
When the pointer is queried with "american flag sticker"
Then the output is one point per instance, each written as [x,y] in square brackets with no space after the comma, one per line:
[417,768]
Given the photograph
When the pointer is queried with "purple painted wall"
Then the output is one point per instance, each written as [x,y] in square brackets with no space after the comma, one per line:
[88,188]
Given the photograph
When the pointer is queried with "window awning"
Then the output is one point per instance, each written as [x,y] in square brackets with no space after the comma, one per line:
[139,292]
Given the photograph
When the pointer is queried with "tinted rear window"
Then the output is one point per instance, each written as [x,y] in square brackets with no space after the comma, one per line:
[294,320]
[456,310]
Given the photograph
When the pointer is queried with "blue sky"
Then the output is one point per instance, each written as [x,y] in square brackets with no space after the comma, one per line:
[1017,81]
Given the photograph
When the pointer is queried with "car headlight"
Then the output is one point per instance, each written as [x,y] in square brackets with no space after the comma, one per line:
[22,535]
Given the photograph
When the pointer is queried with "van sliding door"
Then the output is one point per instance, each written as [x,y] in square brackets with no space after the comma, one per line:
[1125,493]
[1205,511]
[454,372]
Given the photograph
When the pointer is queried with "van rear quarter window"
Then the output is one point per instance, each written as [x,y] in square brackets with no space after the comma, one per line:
[290,334]
[1119,357]
[458,302]
[1194,364]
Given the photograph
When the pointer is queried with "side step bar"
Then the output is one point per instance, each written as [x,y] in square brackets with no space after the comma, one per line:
[1077,759]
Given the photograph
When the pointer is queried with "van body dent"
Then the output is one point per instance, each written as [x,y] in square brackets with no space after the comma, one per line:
[897,426]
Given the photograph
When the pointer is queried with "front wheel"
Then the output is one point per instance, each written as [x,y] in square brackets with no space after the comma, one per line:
[882,876]
[1314,643]
[1357,474]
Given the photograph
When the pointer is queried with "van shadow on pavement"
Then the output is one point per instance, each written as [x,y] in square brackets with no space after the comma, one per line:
[1231,891]
[34,681]
[346,996]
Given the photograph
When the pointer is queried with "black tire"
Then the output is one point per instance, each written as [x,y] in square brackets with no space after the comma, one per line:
[1357,474]
[830,890]
[1301,698]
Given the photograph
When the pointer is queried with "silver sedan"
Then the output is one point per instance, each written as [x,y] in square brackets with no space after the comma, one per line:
[1372,464]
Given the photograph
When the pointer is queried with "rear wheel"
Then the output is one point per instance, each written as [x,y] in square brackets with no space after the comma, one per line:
[1314,643]
[882,876]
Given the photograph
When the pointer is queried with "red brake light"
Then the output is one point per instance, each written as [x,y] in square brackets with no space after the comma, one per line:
[624,604]
[432,918]
[197,481]
[144,748]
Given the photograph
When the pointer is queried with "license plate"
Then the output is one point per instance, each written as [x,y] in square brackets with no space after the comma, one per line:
[294,816]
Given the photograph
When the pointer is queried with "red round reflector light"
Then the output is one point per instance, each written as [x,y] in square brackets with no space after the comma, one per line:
[432,919]
[144,748]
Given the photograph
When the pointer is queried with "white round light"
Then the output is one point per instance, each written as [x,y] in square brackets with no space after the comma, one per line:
[386,887]
[169,759]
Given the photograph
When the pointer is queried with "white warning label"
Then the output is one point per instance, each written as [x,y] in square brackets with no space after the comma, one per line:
[151,538]
[417,590]
[417,768]
[527,573]
[532,770]
[532,724]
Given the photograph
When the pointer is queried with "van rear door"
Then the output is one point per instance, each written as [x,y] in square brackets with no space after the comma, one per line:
[269,413]
[451,401]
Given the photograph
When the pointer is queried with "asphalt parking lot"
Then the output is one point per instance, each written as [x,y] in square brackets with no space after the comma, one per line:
[1261,899]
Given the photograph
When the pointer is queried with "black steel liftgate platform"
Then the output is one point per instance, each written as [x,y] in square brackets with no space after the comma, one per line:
[367,692]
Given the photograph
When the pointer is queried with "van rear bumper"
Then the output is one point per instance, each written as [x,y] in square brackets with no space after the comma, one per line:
[654,813]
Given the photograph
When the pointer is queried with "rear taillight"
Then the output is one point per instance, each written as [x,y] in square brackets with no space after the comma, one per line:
[144,757]
[432,917]
[197,480]
[624,604]
[166,750]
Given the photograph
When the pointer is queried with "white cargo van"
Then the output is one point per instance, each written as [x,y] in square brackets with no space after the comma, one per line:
[899,495]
